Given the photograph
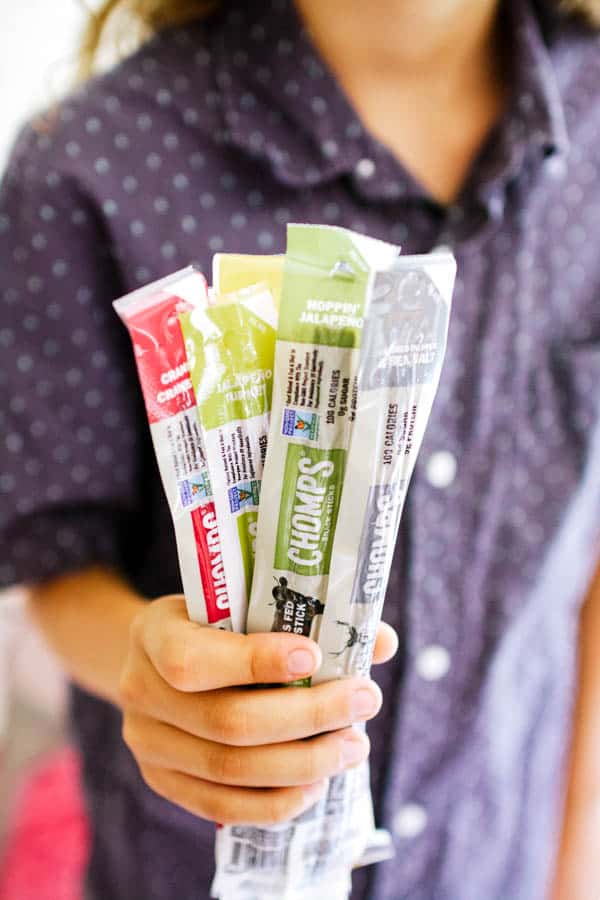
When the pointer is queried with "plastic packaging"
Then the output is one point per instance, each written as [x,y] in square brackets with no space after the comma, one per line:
[234,271]
[230,350]
[403,345]
[328,280]
[359,349]
[151,316]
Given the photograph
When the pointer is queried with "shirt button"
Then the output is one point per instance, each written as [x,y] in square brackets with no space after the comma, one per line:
[365,168]
[441,469]
[409,821]
[556,166]
[433,662]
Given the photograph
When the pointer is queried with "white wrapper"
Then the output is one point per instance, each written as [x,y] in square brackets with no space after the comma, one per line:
[151,315]
[359,350]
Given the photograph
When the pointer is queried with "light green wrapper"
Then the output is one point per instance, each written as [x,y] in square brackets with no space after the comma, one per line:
[230,352]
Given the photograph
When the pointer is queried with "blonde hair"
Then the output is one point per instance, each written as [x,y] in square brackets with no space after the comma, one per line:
[126,23]
[587,9]
[121,25]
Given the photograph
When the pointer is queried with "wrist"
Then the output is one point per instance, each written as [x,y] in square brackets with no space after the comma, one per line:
[86,618]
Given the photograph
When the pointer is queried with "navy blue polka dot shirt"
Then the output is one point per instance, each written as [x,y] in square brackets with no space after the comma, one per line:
[212,137]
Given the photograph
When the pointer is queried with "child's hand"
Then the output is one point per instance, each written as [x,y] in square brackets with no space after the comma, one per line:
[224,752]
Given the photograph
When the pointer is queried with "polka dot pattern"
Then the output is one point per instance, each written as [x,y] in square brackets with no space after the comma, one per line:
[213,137]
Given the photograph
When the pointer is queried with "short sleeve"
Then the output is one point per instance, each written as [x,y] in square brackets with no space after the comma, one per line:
[70,421]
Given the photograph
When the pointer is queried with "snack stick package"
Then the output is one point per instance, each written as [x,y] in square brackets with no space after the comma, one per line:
[306,859]
[151,315]
[328,355]
[234,271]
[402,351]
[240,850]
[328,279]
[256,297]
[230,349]
[404,341]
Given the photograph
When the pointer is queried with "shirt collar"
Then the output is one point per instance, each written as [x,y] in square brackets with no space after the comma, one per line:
[534,118]
[536,92]
[282,105]
[280,101]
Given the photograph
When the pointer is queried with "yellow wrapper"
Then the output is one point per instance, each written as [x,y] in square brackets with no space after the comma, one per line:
[234,271]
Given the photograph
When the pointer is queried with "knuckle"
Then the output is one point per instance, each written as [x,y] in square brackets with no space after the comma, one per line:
[266,659]
[312,763]
[229,722]
[243,725]
[173,662]
[321,714]
[220,722]
[226,765]
[263,662]
[255,662]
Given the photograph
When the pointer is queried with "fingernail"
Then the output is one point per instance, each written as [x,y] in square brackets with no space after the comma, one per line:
[364,704]
[312,792]
[353,751]
[300,662]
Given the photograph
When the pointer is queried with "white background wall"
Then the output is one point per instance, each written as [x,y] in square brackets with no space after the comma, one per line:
[38,40]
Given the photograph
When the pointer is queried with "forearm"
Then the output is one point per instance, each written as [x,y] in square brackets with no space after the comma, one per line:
[578,866]
[85,617]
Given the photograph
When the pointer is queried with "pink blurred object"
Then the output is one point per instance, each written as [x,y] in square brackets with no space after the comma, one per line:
[48,843]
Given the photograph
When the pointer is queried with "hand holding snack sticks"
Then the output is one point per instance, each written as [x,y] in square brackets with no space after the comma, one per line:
[359,351]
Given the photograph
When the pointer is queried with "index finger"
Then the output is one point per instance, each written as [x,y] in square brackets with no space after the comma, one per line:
[193,657]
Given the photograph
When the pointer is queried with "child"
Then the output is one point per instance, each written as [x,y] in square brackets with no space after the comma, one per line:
[469,123]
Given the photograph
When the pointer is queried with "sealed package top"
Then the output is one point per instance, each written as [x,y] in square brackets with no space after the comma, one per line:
[329,276]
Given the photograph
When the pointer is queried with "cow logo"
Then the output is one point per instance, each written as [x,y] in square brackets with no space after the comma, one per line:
[246,493]
[194,488]
[359,644]
[294,612]
[300,425]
